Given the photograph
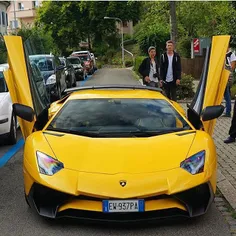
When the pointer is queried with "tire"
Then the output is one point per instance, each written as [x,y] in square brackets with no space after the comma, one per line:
[26,200]
[58,91]
[12,138]
[74,83]
[69,82]
[85,76]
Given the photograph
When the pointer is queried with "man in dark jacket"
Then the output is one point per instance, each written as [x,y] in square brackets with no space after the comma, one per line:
[149,69]
[170,70]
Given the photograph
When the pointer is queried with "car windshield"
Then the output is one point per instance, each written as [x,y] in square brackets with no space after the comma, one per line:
[81,57]
[118,118]
[3,86]
[43,63]
[74,61]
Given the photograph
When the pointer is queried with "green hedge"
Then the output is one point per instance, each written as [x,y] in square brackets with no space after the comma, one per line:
[186,87]
[233,91]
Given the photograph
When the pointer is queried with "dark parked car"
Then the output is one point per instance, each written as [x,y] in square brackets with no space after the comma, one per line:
[80,69]
[69,71]
[39,82]
[86,57]
[53,73]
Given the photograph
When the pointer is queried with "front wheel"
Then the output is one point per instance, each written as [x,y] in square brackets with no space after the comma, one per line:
[58,91]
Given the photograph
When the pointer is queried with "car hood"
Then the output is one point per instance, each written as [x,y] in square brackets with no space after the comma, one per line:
[46,74]
[121,155]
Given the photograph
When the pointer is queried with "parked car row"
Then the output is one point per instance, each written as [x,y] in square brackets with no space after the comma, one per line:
[52,75]
[88,59]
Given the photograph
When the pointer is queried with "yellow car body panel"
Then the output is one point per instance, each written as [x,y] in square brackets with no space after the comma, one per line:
[217,77]
[98,173]
[94,167]
[17,79]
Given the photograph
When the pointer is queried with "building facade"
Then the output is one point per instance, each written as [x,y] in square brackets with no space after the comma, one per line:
[128,27]
[21,13]
[4,5]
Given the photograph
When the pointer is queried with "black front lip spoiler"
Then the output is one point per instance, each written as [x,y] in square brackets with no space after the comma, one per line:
[196,200]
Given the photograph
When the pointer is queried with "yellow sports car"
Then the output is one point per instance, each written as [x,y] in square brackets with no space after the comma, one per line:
[118,153]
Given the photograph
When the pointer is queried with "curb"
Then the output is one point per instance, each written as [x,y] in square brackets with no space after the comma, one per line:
[227,189]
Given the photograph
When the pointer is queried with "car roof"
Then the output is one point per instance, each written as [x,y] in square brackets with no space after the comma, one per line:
[41,55]
[4,67]
[81,52]
[98,92]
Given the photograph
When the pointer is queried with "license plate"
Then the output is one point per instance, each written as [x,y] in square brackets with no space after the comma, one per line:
[123,205]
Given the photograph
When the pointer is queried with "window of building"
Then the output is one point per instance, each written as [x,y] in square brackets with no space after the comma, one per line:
[35,4]
[13,24]
[0,18]
[3,18]
[6,19]
[125,24]
[20,6]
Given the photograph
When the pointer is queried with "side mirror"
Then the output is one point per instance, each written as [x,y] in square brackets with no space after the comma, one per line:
[24,112]
[212,112]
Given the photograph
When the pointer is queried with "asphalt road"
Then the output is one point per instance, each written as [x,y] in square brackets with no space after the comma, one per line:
[16,218]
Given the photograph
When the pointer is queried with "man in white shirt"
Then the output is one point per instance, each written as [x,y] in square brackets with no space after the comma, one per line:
[170,70]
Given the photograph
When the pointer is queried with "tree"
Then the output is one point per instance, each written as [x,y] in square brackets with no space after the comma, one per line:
[154,28]
[173,21]
[73,22]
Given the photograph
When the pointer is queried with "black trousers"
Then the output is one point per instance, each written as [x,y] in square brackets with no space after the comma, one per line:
[232,130]
[170,90]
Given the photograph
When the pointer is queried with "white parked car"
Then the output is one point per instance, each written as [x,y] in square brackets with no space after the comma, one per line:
[8,121]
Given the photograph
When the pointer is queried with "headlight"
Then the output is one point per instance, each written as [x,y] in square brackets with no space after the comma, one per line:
[195,163]
[51,80]
[48,165]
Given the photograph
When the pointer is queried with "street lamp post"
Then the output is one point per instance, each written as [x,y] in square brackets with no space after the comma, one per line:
[122,37]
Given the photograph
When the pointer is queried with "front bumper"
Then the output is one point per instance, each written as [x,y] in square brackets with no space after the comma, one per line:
[54,204]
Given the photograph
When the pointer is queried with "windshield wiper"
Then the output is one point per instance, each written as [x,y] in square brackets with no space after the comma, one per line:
[97,133]
[70,131]
[148,133]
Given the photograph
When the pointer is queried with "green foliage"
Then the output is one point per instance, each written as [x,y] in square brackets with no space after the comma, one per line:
[233,91]
[129,62]
[137,62]
[71,22]
[38,41]
[194,19]
[3,52]
[184,46]
[186,87]
[154,26]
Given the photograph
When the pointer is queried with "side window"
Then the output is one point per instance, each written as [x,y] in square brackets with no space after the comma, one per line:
[3,18]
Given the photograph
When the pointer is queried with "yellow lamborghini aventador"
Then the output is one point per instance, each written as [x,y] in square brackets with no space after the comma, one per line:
[118,153]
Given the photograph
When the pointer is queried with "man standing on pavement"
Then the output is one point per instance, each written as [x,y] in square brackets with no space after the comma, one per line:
[232,130]
[170,70]
[227,97]
[149,69]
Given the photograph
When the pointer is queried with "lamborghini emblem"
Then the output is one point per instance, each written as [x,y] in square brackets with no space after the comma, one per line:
[122,183]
